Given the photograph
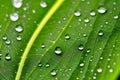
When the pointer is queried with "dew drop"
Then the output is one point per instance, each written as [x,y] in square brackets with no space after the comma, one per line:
[17,3]
[67,37]
[116,17]
[4,38]
[58,51]
[110,70]
[0,54]
[84,35]
[100,33]
[7,57]
[40,64]
[102,10]
[33,11]
[19,38]
[77,13]
[92,13]
[88,51]
[86,20]
[43,46]
[53,72]
[99,70]
[19,28]
[80,47]
[82,64]
[43,4]
[14,16]
[8,42]
[47,65]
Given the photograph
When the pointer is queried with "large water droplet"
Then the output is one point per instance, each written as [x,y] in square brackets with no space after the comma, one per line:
[43,4]
[102,10]
[17,3]
[54,72]
[100,33]
[67,37]
[7,57]
[14,16]
[58,51]
[99,70]
[81,47]
[110,70]
[19,38]
[19,28]
[82,64]
[77,13]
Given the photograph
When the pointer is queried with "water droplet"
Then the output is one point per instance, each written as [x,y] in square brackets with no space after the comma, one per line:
[110,70]
[81,47]
[17,3]
[33,11]
[0,54]
[116,17]
[67,37]
[43,4]
[77,13]
[7,57]
[88,51]
[43,46]
[40,64]
[99,70]
[54,72]
[94,77]
[100,33]
[86,20]
[82,64]
[84,35]
[4,38]
[8,42]
[58,51]
[47,65]
[19,28]
[102,10]
[92,13]
[19,38]
[14,16]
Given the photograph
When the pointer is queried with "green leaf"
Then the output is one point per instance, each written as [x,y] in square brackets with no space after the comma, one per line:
[59,39]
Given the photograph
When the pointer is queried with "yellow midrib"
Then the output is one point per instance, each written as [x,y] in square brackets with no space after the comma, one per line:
[34,36]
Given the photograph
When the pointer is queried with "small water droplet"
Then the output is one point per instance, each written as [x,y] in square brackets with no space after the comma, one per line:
[100,33]
[47,65]
[99,70]
[77,13]
[84,35]
[92,13]
[7,57]
[19,38]
[94,77]
[82,64]
[81,47]
[58,51]
[54,72]
[17,3]
[8,42]
[43,4]
[33,11]
[4,38]
[102,10]
[14,16]
[67,37]
[43,46]
[86,20]
[88,51]
[40,64]
[0,54]
[19,28]
[116,17]
[110,70]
